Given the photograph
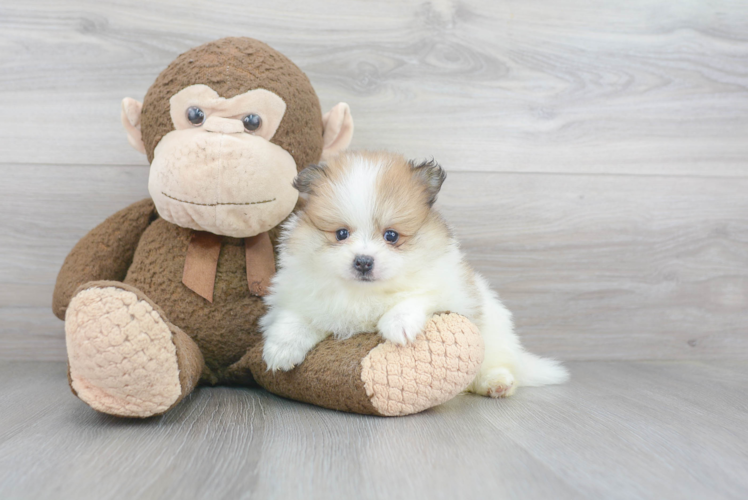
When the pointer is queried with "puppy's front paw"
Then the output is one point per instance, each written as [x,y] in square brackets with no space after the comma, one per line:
[283,356]
[401,327]
[287,341]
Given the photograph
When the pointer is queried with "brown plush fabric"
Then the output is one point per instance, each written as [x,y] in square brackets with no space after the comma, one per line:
[105,253]
[223,329]
[330,376]
[233,66]
[190,361]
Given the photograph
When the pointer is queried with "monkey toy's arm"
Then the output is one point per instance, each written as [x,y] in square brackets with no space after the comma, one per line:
[105,253]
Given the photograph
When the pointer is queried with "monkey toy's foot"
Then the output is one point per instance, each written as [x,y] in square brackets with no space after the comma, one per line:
[441,363]
[124,357]
[365,374]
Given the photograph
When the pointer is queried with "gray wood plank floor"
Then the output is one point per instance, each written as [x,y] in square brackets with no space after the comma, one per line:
[618,430]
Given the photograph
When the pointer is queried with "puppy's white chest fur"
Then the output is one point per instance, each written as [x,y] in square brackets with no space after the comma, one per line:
[340,310]
[357,313]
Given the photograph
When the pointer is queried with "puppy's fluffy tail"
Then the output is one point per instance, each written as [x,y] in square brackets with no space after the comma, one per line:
[535,371]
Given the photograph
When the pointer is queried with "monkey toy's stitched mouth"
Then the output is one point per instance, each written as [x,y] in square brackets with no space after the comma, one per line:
[216,204]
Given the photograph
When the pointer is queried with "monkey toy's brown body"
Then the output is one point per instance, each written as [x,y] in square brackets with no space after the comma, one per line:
[166,294]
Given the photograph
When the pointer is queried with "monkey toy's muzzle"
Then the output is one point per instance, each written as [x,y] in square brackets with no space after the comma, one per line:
[217,180]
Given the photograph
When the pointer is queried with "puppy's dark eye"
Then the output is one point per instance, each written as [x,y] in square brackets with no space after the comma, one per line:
[252,122]
[341,234]
[391,236]
[195,115]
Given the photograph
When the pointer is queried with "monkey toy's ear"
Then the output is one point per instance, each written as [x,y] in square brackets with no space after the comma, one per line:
[131,120]
[338,130]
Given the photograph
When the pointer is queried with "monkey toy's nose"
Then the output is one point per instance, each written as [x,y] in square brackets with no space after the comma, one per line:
[223,125]
[363,263]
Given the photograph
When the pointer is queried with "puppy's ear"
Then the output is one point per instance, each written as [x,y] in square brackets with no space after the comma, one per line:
[306,179]
[431,175]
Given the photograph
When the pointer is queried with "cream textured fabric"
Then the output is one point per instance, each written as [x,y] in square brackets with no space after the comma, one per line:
[401,380]
[122,357]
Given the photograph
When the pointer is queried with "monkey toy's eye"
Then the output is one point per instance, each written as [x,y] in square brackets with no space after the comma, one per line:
[341,234]
[252,122]
[195,115]
[391,236]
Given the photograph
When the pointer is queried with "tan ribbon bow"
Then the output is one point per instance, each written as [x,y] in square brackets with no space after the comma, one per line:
[201,263]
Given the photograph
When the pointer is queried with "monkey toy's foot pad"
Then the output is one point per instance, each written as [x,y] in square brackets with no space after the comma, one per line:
[441,363]
[122,359]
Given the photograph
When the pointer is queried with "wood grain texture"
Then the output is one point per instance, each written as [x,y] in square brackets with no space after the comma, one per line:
[643,86]
[593,267]
[612,267]
[618,430]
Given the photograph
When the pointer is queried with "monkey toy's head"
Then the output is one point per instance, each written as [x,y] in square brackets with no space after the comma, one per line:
[226,127]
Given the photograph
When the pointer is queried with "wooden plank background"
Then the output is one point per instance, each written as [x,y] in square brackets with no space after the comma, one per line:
[597,153]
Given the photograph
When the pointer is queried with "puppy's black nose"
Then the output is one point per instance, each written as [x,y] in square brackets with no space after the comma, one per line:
[363,263]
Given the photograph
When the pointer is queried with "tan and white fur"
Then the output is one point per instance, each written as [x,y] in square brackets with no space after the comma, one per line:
[363,282]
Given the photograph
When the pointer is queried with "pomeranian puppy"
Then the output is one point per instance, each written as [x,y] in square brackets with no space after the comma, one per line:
[368,252]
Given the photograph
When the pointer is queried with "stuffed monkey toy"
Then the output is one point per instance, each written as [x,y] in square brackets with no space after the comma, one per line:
[166,294]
